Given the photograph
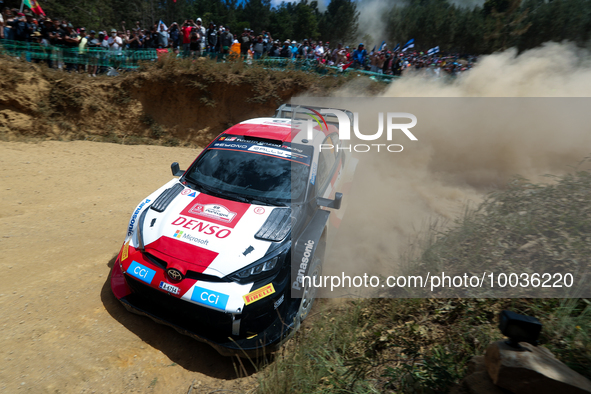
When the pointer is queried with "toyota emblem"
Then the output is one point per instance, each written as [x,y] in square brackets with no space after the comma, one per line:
[174,274]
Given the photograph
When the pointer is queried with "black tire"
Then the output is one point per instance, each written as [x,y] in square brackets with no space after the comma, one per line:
[309,293]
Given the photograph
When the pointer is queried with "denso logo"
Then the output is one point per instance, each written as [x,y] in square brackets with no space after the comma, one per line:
[202,227]
[134,216]
[345,130]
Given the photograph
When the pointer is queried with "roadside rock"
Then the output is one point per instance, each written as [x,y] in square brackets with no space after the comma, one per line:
[532,370]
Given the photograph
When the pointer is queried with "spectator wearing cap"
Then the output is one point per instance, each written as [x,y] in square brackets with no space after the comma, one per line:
[245,42]
[201,32]
[275,50]
[186,30]
[93,45]
[30,26]
[285,49]
[211,38]
[82,50]
[334,55]
[258,48]
[71,41]
[115,43]
[195,45]
[19,27]
[162,35]
[154,37]
[359,56]
[226,40]
[175,35]
[294,49]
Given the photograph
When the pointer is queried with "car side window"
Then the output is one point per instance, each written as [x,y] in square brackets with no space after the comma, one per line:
[326,162]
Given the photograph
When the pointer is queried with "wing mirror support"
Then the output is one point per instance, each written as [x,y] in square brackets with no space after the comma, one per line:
[176,171]
[327,202]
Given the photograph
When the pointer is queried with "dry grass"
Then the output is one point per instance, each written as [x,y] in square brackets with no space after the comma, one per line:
[422,345]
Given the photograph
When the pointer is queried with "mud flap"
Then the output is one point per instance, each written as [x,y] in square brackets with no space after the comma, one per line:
[303,251]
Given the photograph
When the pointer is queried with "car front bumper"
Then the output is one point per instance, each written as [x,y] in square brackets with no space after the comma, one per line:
[271,330]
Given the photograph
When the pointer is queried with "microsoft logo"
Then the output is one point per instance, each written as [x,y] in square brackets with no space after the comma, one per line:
[178,234]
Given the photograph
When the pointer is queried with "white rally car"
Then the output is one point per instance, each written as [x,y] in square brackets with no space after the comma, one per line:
[210,253]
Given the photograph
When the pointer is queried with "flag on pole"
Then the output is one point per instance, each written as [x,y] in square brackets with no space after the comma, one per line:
[346,66]
[396,48]
[34,6]
[410,42]
[433,51]
[408,47]
[383,46]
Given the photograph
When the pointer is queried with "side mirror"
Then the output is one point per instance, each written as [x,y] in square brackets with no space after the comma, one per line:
[327,202]
[176,171]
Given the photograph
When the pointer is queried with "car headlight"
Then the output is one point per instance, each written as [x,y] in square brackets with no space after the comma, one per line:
[257,269]
[267,266]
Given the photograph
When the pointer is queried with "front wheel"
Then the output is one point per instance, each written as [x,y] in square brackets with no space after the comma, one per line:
[309,293]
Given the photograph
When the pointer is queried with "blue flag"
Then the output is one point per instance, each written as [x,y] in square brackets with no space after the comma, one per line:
[409,43]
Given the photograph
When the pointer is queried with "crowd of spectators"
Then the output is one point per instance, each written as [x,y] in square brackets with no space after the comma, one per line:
[193,39]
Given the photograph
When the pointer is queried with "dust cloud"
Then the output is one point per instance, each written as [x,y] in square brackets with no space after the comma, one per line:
[510,115]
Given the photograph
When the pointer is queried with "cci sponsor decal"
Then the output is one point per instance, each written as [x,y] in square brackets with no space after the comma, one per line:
[202,227]
[214,211]
[209,298]
[134,216]
[258,294]
[141,272]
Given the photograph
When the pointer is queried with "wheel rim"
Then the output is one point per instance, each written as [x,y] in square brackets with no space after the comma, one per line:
[309,291]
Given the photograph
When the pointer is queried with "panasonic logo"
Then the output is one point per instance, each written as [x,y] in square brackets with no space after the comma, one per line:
[297,284]
[134,216]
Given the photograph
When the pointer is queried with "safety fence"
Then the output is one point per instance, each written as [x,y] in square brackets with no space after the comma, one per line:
[61,55]
[69,57]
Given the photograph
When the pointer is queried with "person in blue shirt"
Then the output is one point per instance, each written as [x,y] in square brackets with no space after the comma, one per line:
[359,56]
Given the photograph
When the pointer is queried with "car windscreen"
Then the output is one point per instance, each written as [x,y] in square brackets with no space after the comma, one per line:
[250,170]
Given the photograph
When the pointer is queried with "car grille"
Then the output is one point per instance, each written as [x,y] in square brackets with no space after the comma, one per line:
[190,274]
[201,320]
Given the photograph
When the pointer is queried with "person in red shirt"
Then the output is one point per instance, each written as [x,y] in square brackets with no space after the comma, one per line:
[186,29]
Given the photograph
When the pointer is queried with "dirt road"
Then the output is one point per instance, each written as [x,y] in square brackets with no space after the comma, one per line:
[63,214]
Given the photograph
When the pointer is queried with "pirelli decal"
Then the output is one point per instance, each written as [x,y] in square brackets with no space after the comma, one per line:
[259,293]
[125,252]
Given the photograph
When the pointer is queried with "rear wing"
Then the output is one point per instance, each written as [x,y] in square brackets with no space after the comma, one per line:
[300,112]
